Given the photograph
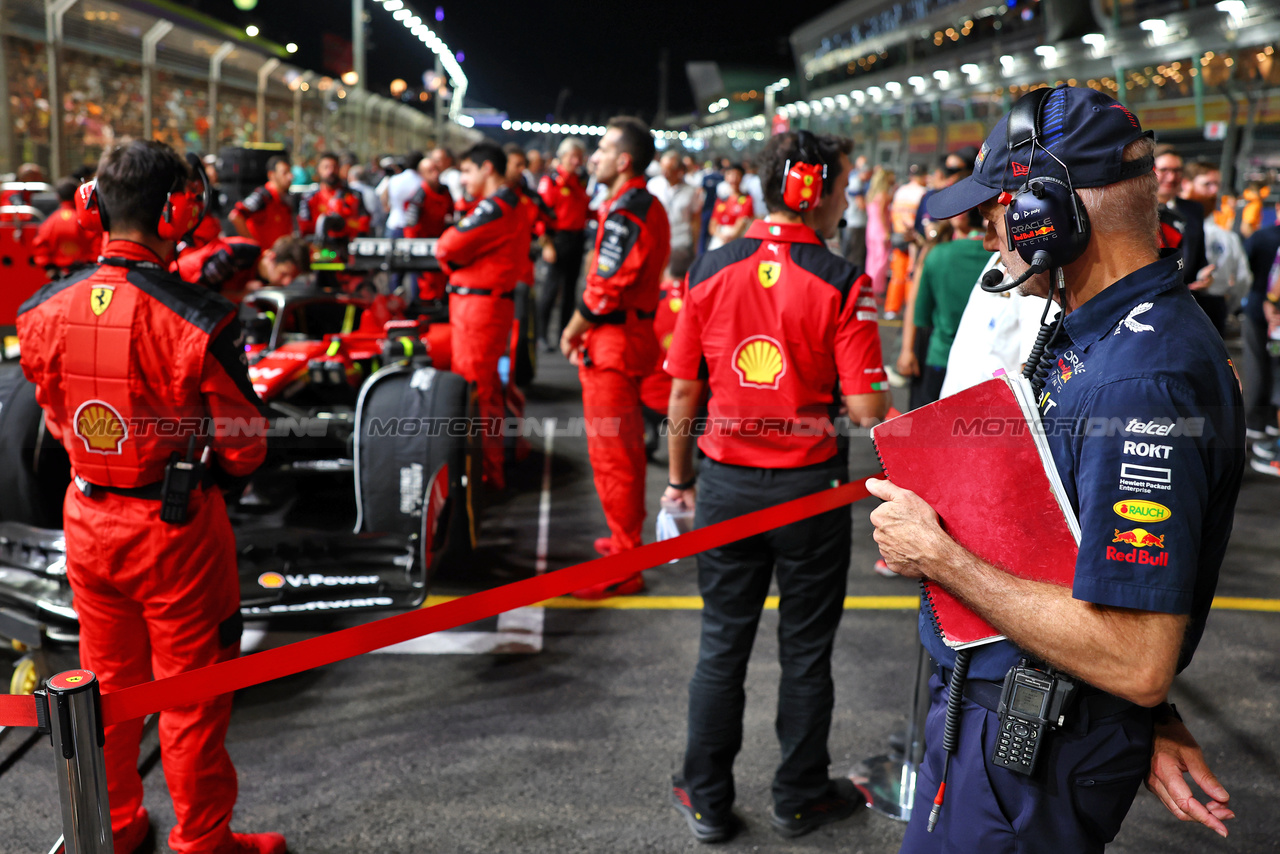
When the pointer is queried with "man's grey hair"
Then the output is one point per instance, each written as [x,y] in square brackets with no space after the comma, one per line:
[569,143]
[1129,207]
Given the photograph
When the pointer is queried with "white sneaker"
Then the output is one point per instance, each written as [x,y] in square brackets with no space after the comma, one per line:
[1266,450]
[1272,468]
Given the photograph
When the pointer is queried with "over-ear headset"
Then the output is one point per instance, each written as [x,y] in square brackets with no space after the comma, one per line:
[184,206]
[802,178]
[1045,214]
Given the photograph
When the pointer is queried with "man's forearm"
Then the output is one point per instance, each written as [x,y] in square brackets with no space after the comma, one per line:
[681,410]
[1131,654]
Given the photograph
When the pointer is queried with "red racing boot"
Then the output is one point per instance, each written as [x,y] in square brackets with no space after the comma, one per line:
[258,843]
[628,586]
[133,836]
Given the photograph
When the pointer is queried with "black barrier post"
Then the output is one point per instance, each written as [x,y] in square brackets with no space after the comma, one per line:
[74,721]
[889,782]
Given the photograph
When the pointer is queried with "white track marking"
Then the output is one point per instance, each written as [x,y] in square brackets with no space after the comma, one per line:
[518,631]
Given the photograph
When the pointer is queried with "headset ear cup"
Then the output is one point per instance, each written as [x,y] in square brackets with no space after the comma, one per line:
[178,216]
[1044,219]
[88,209]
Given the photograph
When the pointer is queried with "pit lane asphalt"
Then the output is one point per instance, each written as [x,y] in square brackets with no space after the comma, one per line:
[571,749]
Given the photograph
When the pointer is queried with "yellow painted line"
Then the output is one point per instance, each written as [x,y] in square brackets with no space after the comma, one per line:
[1238,603]
[851,603]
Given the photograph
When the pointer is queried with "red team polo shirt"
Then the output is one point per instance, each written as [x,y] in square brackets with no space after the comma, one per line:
[729,211]
[772,322]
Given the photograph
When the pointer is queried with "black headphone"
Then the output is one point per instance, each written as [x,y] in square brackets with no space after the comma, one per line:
[803,177]
[1046,214]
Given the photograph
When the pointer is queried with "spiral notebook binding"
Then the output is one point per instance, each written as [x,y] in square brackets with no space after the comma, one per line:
[926,595]
[926,604]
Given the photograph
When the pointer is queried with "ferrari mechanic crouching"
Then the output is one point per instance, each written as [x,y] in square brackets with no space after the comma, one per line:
[116,354]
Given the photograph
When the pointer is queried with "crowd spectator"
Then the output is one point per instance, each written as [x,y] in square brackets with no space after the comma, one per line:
[854,238]
[679,198]
[564,192]
[535,169]
[449,174]
[879,199]
[709,181]
[1182,220]
[1223,248]
[946,280]
[751,186]
[734,212]
[1256,364]
[905,205]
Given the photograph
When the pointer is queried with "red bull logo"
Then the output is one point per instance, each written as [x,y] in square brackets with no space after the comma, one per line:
[1140,539]
[1038,232]
[1064,370]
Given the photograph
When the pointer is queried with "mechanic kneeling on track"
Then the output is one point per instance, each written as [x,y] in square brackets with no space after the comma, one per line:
[1142,358]
[772,322]
[483,255]
[115,352]
[235,266]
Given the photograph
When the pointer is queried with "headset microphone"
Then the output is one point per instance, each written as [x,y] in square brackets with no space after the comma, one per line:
[993,280]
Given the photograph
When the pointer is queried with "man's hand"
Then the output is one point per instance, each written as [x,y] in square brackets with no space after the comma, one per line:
[1203,279]
[549,253]
[908,365]
[907,530]
[1272,313]
[571,340]
[688,497]
[1174,753]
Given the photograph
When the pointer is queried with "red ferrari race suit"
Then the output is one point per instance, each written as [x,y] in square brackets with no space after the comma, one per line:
[128,362]
[227,266]
[61,244]
[632,244]
[483,255]
[655,389]
[265,215]
[427,214]
[338,202]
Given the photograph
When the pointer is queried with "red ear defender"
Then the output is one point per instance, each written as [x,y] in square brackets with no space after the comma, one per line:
[182,213]
[802,185]
[88,213]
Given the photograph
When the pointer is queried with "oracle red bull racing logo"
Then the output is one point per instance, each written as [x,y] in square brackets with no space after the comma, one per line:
[100,427]
[1141,540]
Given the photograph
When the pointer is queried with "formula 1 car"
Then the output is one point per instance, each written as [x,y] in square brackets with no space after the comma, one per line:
[367,489]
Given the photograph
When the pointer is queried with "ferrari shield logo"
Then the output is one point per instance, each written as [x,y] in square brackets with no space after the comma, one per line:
[100,298]
[768,273]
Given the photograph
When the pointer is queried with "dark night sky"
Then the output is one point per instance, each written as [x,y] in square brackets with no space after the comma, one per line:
[519,55]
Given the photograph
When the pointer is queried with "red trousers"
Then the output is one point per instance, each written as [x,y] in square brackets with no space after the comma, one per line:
[481,327]
[615,447]
[152,598]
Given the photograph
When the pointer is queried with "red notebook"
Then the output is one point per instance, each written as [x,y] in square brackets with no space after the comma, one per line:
[981,461]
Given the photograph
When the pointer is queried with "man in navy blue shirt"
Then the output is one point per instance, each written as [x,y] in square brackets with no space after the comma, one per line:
[1143,417]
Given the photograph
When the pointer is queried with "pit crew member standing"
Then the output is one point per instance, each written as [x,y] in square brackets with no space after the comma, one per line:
[114,352]
[610,336]
[61,245]
[483,255]
[773,323]
[564,192]
[332,210]
[1154,492]
[266,214]
[428,214]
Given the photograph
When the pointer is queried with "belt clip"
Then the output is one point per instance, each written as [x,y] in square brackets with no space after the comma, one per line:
[86,488]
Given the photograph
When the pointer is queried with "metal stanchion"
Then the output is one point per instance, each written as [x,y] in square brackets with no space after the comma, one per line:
[889,782]
[71,710]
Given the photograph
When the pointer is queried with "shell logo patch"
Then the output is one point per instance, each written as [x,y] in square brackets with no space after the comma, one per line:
[100,427]
[759,363]
[271,580]
[768,273]
[100,298]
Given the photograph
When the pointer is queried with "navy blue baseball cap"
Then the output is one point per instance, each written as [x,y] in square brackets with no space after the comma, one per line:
[1083,128]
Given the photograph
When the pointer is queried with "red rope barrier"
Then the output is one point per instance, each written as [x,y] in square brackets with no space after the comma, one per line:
[198,685]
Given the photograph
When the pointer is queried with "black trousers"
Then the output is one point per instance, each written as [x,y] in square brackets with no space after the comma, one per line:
[811,560]
[561,285]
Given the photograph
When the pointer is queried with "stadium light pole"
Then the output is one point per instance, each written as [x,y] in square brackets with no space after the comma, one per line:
[150,39]
[358,65]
